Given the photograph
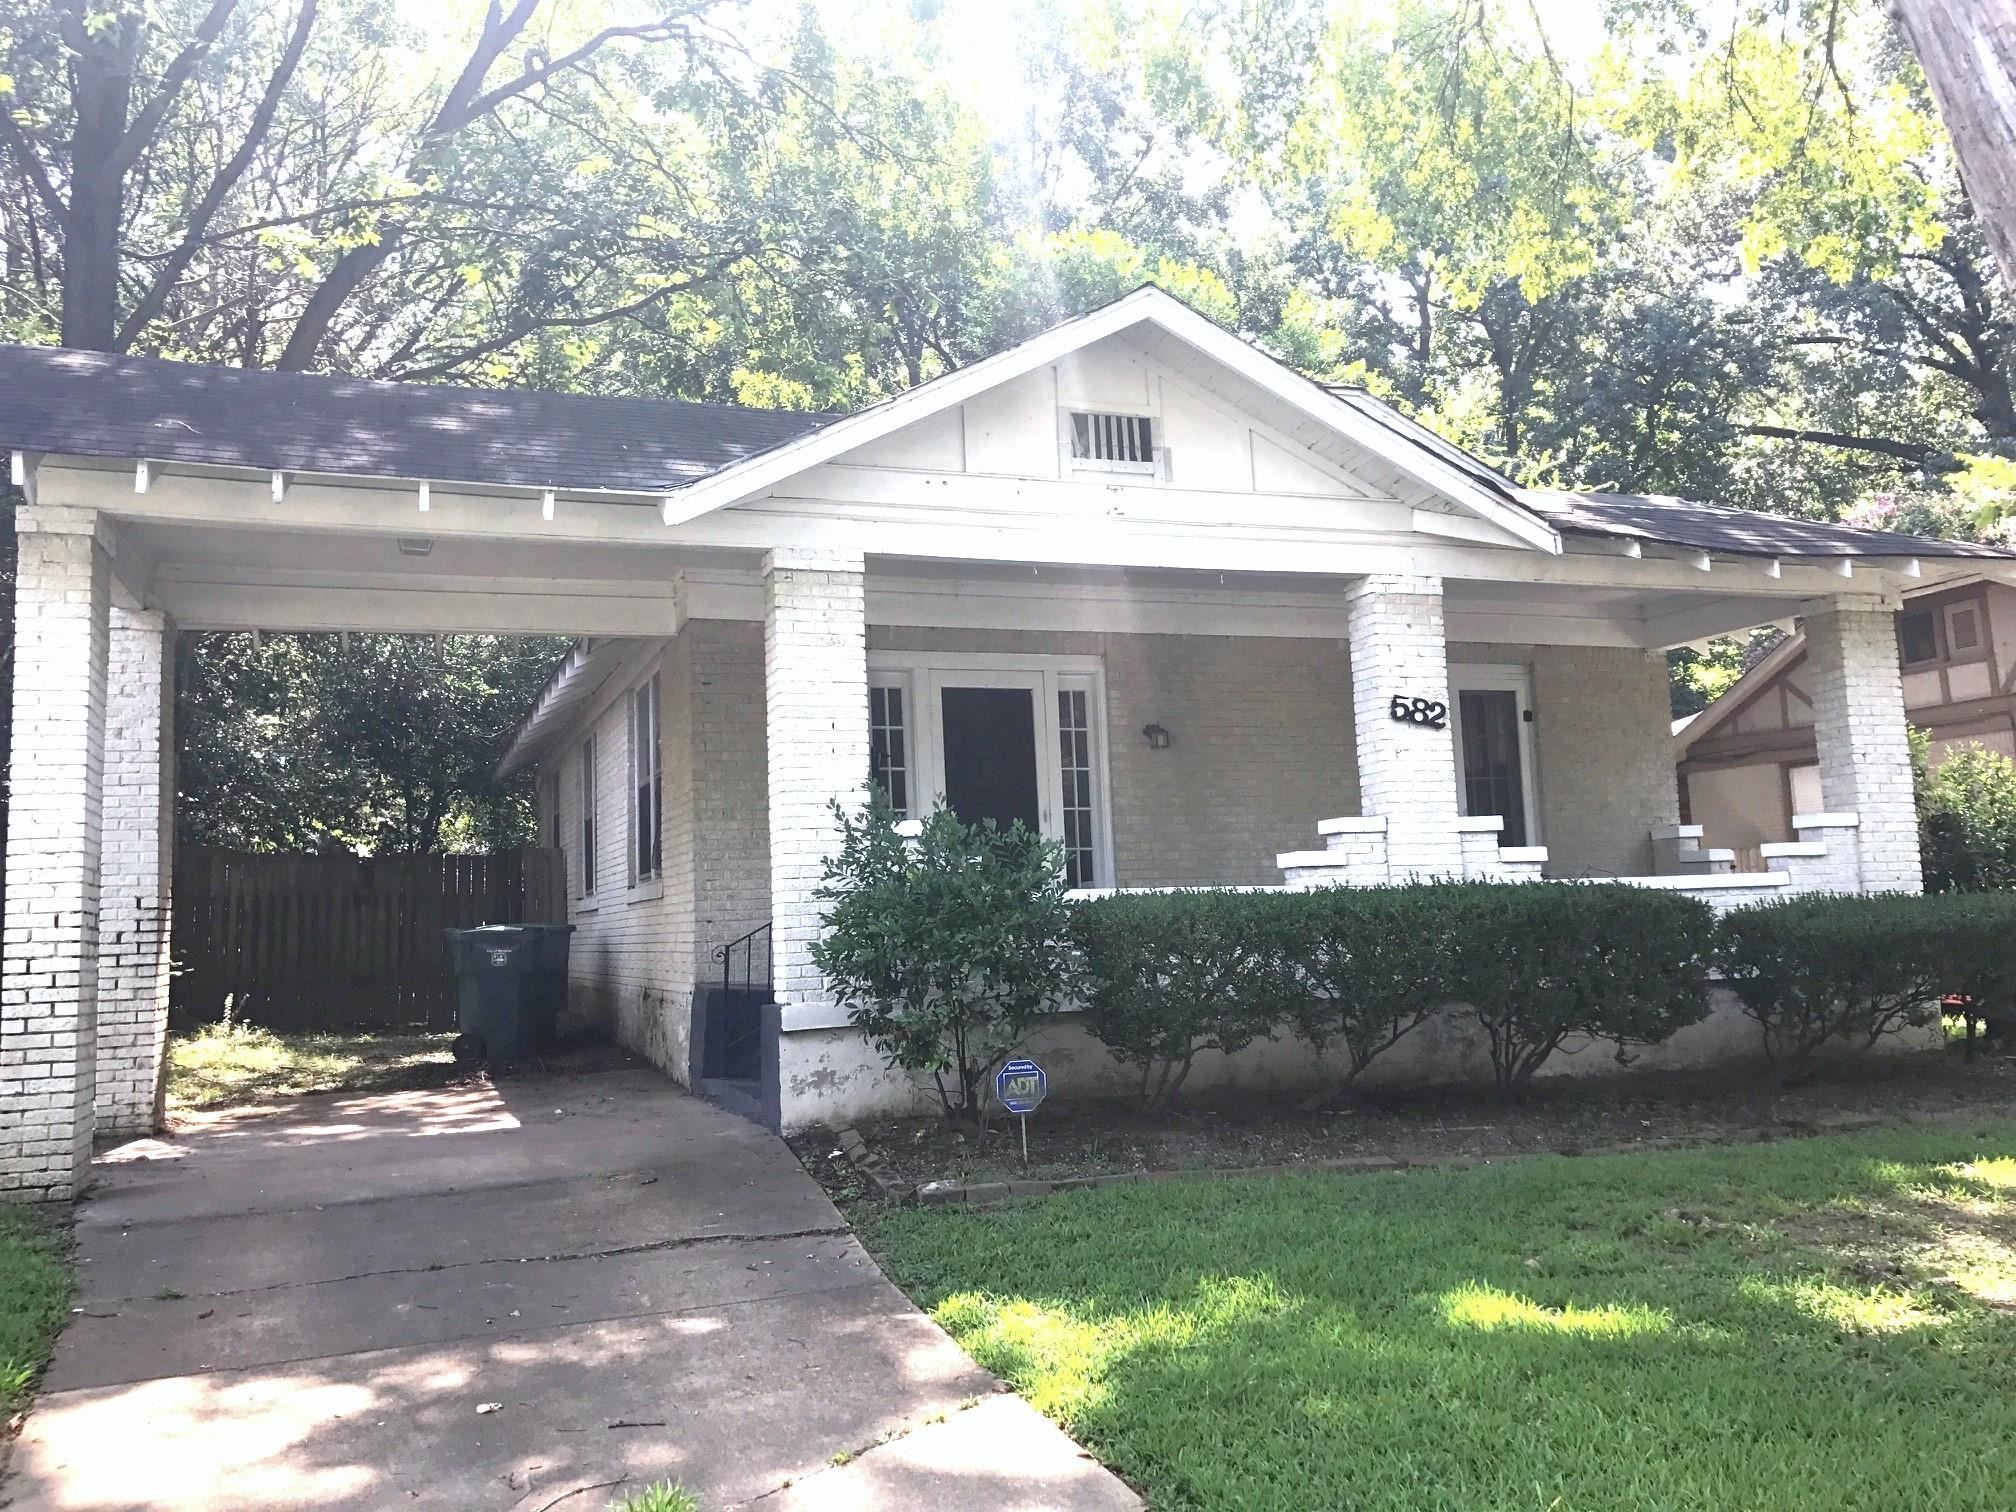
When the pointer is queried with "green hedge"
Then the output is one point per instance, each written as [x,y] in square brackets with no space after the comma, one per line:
[1839,970]
[1171,974]
[1168,975]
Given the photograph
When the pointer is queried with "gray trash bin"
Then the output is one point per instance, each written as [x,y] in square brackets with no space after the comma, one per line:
[511,983]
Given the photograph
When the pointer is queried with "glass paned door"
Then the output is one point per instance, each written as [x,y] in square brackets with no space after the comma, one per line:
[1494,777]
[990,755]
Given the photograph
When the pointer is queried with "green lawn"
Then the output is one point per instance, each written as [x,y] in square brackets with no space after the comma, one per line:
[34,1300]
[1818,1323]
[220,1065]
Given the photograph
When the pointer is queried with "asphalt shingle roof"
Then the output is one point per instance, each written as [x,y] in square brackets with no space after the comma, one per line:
[1737,532]
[93,404]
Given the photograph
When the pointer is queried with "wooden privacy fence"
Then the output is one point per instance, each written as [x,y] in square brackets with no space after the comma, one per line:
[324,942]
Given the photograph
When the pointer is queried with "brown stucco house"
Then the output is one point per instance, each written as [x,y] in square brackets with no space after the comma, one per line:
[1749,762]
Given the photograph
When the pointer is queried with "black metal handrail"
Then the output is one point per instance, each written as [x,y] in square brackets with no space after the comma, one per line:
[746,945]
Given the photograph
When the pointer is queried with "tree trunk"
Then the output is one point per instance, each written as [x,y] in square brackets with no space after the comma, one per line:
[1968,51]
[104,92]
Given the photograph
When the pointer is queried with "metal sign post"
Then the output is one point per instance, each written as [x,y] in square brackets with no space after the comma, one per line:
[1020,1087]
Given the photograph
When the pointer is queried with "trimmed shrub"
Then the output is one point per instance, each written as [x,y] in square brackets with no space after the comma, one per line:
[1975,960]
[1540,963]
[1840,969]
[1167,975]
[946,953]
[1378,963]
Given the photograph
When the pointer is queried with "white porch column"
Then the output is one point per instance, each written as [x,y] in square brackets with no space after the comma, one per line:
[1406,771]
[815,689]
[136,872]
[1859,730]
[49,976]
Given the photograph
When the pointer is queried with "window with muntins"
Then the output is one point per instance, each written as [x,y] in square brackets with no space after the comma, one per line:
[889,747]
[1113,440]
[588,817]
[646,783]
[1074,758]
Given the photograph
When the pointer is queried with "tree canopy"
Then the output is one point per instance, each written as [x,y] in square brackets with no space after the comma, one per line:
[1721,250]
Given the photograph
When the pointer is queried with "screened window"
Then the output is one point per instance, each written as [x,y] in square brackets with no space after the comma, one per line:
[1963,629]
[1918,637]
[646,783]
[1074,756]
[1117,440]
[588,785]
[889,746]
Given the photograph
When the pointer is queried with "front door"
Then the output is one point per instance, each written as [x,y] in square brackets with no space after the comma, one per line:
[1494,747]
[990,755]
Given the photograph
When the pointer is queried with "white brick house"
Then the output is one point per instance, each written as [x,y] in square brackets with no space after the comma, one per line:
[1133,581]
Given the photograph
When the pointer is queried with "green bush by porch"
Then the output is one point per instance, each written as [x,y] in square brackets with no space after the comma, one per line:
[1819,1323]
[1166,975]
[1845,972]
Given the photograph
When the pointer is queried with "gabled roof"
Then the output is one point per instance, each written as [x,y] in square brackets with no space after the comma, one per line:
[1699,726]
[94,404]
[1440,467]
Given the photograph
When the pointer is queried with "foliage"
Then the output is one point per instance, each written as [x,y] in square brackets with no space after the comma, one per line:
[1966,817]
[379,744]
[1270,1341]
[1828,970]
[223,1065]
[664,1496]
[1976,957]
[1379,962]
[945,951]
[1167,975]
[1539,964]
[35,1284]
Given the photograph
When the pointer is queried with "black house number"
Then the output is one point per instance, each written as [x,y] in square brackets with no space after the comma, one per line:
[1419,711]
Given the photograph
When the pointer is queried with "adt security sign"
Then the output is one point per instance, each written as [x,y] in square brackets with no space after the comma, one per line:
[1021,1087]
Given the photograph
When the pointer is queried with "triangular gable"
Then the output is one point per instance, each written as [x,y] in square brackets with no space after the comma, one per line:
[1151,306]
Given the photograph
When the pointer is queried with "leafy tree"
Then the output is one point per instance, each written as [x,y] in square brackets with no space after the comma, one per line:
[377,744]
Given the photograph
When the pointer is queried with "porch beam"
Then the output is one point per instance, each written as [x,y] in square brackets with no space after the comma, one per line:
[436,606]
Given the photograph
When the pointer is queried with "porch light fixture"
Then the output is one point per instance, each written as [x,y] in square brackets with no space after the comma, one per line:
[415,546]
[1156,736]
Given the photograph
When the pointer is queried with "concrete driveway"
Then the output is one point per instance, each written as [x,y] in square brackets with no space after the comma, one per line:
[315,1305]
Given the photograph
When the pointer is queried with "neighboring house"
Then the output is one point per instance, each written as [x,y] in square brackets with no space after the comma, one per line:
[1202,620]
[1749,762]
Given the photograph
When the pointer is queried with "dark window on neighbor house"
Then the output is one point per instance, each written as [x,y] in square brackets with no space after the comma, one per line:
[1100,437]
[588,786]
[1918,637]
[888,749]
[646,783]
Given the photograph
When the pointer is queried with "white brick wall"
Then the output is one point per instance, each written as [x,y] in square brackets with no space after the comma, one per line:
[49,979]
[136,872]
[1859,732]
[1406,771]
[815,691]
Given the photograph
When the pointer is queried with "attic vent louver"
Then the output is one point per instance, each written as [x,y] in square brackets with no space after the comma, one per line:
[1111,440]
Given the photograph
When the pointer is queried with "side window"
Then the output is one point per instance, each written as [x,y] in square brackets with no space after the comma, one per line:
[1963,629]
[646,783]
[1918,637]
[588,857]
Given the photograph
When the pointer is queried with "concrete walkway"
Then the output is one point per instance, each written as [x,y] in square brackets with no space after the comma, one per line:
[317,1305]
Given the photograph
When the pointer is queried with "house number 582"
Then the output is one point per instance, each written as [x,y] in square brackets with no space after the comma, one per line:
[1420,711]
